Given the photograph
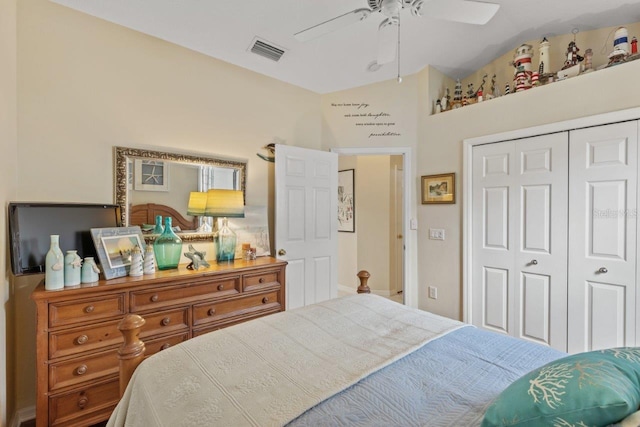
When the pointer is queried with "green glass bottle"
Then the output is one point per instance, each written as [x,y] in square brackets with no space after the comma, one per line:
[167,247]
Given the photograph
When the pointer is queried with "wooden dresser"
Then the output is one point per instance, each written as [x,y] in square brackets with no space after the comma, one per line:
[78,338]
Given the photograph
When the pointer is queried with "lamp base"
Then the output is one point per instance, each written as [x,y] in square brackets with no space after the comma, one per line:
[225,241]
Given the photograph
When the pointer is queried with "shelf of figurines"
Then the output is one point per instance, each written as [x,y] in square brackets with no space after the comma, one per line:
[525,78]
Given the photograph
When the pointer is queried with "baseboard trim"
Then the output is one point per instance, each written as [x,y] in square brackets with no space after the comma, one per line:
[23,415]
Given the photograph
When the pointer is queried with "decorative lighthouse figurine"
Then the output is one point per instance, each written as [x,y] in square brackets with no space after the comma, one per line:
[523,67]
[544,62]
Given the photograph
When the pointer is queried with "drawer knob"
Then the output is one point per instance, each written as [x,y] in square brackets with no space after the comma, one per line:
[211,311]
[82,402]
[154,298]
[81,370]
[82,339]
[165,346]
[265,300]
[220,287]
[89,309]
[261,280]
[166,321]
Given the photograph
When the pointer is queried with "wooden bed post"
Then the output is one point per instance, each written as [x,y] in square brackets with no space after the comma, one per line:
[364,275]
[131,353]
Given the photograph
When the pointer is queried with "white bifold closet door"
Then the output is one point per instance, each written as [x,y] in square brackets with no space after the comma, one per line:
[602,235]
[519,226]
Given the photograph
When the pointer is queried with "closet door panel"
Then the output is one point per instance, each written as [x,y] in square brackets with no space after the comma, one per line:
[602,261]
[519,238]
[492,272]
[540,256]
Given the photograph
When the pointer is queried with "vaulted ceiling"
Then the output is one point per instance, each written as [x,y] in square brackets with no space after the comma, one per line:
[341,59]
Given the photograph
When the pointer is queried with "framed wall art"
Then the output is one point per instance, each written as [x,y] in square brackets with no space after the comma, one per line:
[438,189]
[114,245]
[151,175]
[346,201]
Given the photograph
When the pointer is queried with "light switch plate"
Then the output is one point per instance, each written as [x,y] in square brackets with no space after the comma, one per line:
[436,234]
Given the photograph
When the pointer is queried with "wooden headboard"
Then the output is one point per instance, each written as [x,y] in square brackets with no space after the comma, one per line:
[146,214]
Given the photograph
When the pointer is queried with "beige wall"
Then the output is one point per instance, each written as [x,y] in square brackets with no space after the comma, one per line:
[602,91]
[87,85]
[9,145]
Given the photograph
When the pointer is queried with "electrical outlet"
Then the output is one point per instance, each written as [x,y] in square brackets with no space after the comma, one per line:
[436,234]
[433,292]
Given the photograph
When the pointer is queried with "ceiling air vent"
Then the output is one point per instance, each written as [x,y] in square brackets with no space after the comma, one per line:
[268,50]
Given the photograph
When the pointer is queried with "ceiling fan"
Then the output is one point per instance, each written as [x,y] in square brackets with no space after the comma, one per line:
[465,11]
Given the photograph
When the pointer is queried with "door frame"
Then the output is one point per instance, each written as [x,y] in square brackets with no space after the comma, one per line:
[410,286]
[467,179]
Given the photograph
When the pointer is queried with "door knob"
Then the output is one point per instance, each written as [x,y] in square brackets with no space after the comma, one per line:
[282,252]
[602,270]
[534,262]
[399,236]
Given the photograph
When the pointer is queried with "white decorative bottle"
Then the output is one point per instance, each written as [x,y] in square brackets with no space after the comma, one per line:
[136,262]
[54,266]
[90,271]
[149,266]
[72,266]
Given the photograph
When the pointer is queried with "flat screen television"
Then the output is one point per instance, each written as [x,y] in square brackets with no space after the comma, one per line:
[32,224]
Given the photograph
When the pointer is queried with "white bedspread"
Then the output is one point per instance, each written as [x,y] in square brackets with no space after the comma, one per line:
[268,371]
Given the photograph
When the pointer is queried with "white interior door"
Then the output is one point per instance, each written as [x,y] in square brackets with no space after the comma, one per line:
[519,222]
[602,267]
[306,193]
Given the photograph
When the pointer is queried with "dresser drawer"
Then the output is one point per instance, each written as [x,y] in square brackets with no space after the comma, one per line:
[165,322]
[221,325]
[83,369]
[84,339]
[220,311]
[258,282]
[87,406]
[87,310]
[156,345]
[146,300]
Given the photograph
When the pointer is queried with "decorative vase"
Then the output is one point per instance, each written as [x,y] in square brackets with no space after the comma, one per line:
[135,269]
[225,241]
[167,247]
[159,229]
[149,266]
[54,266]
[90,271]
[72,268]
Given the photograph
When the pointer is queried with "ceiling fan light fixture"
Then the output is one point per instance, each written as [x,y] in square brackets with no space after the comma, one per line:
[390,8]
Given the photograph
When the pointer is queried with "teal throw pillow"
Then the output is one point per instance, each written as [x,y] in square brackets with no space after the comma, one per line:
[583,390]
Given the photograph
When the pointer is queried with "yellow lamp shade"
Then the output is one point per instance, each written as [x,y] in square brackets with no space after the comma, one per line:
[197,203]
[225,203]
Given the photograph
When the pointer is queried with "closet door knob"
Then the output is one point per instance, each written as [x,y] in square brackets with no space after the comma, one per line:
[282,252]
[603,270]
[534,262]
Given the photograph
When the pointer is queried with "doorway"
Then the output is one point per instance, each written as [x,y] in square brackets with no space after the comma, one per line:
[384,238]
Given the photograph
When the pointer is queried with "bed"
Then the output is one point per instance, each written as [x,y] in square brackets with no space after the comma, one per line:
[358,360]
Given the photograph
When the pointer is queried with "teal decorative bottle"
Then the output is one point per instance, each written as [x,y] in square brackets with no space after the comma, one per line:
[158,228]
[167,247]
[72,268]
[54,266]
[225,241]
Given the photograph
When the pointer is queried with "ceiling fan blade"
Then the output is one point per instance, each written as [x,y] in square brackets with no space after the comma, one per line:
[464,11]
[331,25]
[387,41]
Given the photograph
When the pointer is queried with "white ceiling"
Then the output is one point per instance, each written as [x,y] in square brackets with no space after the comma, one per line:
[339,60]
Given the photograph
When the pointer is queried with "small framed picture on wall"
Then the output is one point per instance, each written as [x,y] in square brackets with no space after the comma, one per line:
[346,201]
[438,189]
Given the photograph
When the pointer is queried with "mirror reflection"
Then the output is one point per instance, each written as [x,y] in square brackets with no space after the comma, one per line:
[150,183]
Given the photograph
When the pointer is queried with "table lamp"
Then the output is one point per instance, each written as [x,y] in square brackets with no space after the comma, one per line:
[196,207]
[225,204]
